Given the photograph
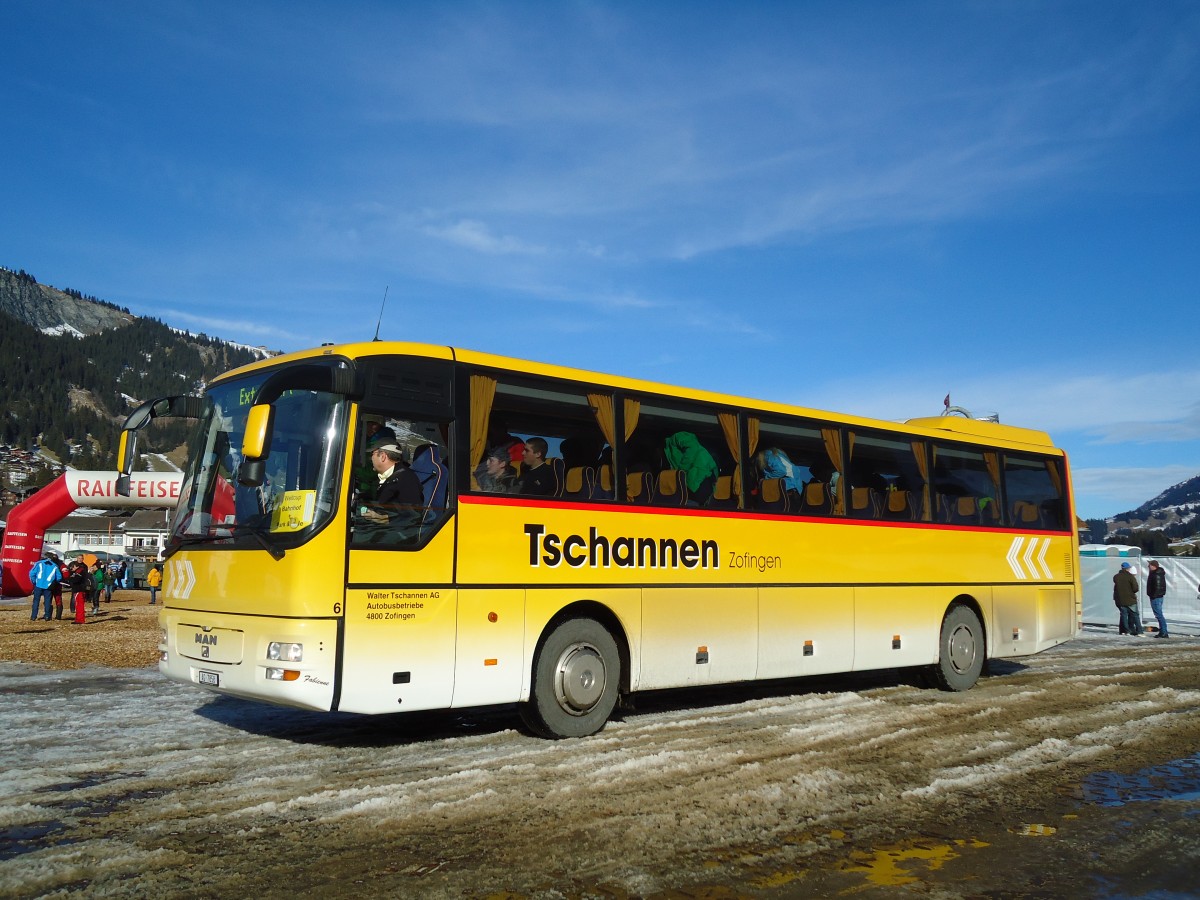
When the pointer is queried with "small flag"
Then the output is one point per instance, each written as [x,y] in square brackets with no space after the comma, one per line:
[946,402]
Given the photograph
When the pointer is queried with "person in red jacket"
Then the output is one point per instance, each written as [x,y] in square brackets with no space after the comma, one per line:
[79,581]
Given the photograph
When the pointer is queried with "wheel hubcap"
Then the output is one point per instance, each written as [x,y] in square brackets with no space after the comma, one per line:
[580,679]
[962,649]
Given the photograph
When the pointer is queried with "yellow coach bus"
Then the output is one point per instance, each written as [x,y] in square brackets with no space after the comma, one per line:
[387,527]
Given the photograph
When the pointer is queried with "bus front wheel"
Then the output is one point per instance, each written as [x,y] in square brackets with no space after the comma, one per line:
[575,680]
[961,650]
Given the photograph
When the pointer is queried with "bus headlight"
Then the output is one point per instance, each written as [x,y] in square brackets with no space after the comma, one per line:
[282,650]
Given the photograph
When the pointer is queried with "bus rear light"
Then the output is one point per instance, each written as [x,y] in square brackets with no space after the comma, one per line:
[274,674]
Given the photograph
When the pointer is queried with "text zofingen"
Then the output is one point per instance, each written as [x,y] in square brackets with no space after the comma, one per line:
[598,551]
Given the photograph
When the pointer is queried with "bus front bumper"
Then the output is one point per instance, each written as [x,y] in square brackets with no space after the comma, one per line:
[286,661]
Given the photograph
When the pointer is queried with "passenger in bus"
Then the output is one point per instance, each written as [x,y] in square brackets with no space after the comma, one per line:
[398,496]
[685,452]
[536,477]
[774,463]
[494,474]
[498,436]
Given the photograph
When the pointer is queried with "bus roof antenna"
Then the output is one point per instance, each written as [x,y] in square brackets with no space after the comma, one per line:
[381,306]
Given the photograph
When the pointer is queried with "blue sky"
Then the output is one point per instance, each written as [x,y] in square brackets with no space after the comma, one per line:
[851,206]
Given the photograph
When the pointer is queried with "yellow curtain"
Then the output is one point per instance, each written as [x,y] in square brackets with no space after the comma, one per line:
[483,393]
[833,448]
[1055,477]
[752,432]
[918,449]
[991,459]
[602,409]
[633,409]
[730,429]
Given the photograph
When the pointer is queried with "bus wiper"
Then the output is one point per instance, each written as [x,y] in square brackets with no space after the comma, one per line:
[223,534]
[175,544]
[277,553]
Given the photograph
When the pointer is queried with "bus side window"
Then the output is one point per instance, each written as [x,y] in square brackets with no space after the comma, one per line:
[574,425]
[966,486]
[799,468]
[423,470]
[678,455]
[1034,492]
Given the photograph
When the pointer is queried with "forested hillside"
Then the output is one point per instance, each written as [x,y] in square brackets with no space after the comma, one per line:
[71,394]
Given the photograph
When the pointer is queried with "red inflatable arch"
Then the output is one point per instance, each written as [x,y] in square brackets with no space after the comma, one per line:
[26,526]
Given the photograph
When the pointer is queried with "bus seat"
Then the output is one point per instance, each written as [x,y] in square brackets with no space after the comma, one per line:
[966,510]
[1026,514]
[579,483]
[432,475]
[815,500]
[898,505]
[723,495]
[638,487]
[670,488]
[604,483]
[864,502]
[989,511]
[560,474]
[772,495]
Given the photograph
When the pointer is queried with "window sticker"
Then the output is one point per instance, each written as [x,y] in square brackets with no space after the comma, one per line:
[293,511]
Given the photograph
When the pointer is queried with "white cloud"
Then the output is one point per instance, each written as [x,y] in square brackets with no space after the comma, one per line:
[477,236]
[212,325]
[1158,406]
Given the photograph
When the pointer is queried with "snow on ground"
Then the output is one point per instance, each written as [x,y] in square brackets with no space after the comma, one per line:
[116,773]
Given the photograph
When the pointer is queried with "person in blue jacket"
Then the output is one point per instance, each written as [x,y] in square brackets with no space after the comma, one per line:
[44,574]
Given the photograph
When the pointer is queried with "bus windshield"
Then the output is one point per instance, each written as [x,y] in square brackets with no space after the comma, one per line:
[297,495]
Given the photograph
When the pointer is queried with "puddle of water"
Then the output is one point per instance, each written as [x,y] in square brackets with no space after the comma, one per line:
[27,838]
[894,866]
[1176,780]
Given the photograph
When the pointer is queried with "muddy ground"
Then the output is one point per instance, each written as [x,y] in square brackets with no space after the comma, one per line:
[1070,774]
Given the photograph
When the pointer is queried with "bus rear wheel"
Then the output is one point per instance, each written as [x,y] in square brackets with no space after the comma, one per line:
[961,650]
[575,681]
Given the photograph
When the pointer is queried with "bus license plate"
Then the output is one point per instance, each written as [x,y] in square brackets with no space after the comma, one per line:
[210,678]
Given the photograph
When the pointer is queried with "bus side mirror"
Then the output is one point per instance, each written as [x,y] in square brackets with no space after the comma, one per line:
[126,454]
[256,445]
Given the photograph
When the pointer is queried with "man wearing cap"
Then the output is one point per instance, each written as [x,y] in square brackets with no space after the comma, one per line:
[398,488]
[1125,589]
[378,434]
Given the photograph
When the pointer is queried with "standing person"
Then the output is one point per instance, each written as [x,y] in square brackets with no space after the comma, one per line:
[56,589]
[1156,589]
[123,575]
[1125,590]
[79,581]
[109,577]
[97,587]
[153,580]
[43,574]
